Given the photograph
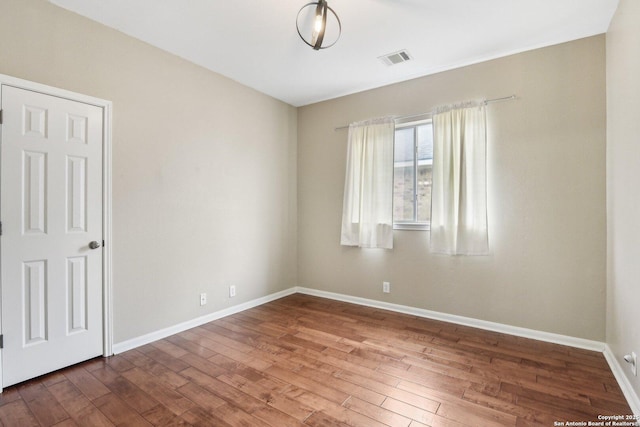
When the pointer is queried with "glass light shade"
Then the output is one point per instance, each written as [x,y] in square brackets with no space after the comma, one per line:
[318,25]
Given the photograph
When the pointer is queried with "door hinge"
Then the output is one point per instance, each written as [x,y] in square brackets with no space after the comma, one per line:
[1,341]
[0,228]
[0,117]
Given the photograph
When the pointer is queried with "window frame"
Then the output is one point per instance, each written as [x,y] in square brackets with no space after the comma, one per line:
[413,225]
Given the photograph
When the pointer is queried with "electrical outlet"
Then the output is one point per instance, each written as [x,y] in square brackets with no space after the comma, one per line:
[232,291]
[203,298]
[386,287]
[632,360]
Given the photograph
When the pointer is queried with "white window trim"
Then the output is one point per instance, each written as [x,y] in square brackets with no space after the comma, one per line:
[414,226]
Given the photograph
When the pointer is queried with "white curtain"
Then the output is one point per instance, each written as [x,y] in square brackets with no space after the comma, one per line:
[368,189]
[459,194]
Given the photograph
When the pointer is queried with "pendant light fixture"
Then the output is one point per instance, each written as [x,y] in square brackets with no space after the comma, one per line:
[319,24]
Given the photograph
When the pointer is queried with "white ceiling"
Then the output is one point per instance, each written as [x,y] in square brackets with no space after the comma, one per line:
[256,43]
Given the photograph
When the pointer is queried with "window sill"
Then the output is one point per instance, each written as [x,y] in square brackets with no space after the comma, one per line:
[415,226]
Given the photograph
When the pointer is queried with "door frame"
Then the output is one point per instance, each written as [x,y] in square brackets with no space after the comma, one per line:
[107,291]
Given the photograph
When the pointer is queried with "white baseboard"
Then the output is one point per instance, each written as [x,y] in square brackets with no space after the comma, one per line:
[180,327]
[429,314]
[460,320]
[625,385]
[623,380]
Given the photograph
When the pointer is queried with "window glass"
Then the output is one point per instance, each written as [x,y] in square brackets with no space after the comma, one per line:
[413,160]
[404,175]
[425,162]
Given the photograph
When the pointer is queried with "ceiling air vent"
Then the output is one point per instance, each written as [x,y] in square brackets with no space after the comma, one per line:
[395,57]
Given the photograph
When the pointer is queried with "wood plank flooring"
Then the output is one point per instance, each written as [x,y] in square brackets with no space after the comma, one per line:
[309,361]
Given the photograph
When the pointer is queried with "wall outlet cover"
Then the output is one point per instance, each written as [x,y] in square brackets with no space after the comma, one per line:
[203,298]
[386,287]
[232,291]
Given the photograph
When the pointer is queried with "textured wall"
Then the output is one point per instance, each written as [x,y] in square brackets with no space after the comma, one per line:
[546,203]
[205,181]
[204,169]
[623,179]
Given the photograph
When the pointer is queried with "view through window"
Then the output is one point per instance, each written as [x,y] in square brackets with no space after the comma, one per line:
[413,160]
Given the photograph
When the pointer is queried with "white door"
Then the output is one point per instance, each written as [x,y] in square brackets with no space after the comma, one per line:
[51,211]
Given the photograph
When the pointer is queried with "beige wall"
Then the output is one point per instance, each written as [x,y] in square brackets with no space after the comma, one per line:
[205,181]
[204,169]
[623,183]
[546,203]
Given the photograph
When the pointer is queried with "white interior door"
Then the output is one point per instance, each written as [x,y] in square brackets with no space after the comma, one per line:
[51,211]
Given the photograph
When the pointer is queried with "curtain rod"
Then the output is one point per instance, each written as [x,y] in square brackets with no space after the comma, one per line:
[485,102]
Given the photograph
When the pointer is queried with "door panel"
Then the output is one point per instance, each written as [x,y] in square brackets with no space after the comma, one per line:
[51,208]
[33,192]
[35,290]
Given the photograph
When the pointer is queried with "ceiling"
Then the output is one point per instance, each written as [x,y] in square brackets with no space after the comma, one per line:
[256,43]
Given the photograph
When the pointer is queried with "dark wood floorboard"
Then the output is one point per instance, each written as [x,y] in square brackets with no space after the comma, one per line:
[309,361]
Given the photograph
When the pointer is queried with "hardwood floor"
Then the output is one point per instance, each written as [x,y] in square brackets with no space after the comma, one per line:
[304,360]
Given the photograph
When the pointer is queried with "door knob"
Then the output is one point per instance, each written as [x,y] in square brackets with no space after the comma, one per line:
[94,245]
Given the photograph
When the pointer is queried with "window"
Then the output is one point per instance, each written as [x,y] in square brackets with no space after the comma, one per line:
[412,164]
